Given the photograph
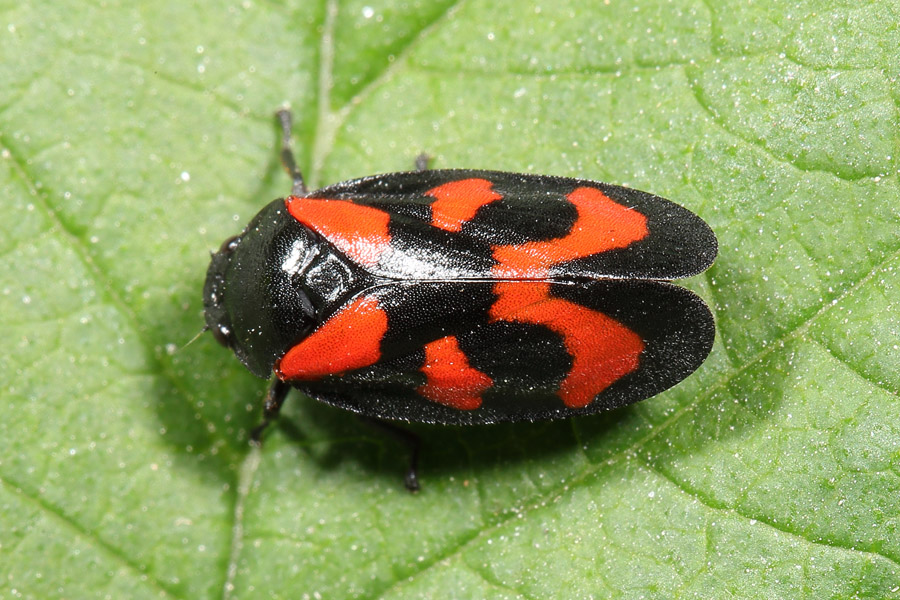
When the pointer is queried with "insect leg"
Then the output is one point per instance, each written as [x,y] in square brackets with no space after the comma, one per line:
[274,399]
[298,188]
[412,441]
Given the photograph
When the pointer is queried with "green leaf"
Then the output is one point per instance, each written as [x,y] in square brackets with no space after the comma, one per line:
[133,140]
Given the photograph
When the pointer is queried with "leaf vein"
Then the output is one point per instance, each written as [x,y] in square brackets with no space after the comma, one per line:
[485,575]
[168,78]
[325,136]
[106,287]
[721,124]
[855,369]
[556,492]
[67,523]
[733,510]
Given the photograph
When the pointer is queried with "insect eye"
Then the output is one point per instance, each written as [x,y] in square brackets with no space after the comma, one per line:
[229,245]
[222,334]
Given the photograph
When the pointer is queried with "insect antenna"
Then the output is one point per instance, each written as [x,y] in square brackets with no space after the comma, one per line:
[194,339]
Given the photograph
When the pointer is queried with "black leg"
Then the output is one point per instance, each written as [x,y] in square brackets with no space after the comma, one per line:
[412,441]
[422,162]
[274,399]
[298,188]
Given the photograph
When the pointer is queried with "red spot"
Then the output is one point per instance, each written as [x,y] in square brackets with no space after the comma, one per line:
[602,225]
[451,380]
[602,349]
[351,339]
[458,201]
[360,232]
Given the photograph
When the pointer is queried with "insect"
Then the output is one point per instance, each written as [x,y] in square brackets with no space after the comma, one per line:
[463,296]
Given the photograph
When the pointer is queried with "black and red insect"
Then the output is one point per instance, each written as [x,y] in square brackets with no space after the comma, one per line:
[464,296]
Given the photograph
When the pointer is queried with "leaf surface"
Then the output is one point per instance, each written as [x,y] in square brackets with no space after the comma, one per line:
[134,140]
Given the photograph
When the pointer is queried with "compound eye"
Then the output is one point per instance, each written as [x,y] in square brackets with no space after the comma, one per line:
[222,335]
[229,245]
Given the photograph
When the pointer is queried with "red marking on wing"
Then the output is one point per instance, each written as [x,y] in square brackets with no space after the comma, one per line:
[350,339]
[602,349]
[450,379]
[458,201]
[360,232]
[602,225]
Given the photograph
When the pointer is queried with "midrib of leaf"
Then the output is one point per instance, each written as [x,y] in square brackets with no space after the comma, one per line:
[329,122]
[323,138]
[556,493]
[246,475]
[326,125]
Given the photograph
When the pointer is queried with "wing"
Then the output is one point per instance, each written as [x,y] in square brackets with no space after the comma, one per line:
[483,352]
[470,224]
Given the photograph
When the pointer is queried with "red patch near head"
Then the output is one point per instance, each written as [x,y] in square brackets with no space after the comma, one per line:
[602,225]
[457,202]
[602,349]
[451,380]
[360,232]
[351,339]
